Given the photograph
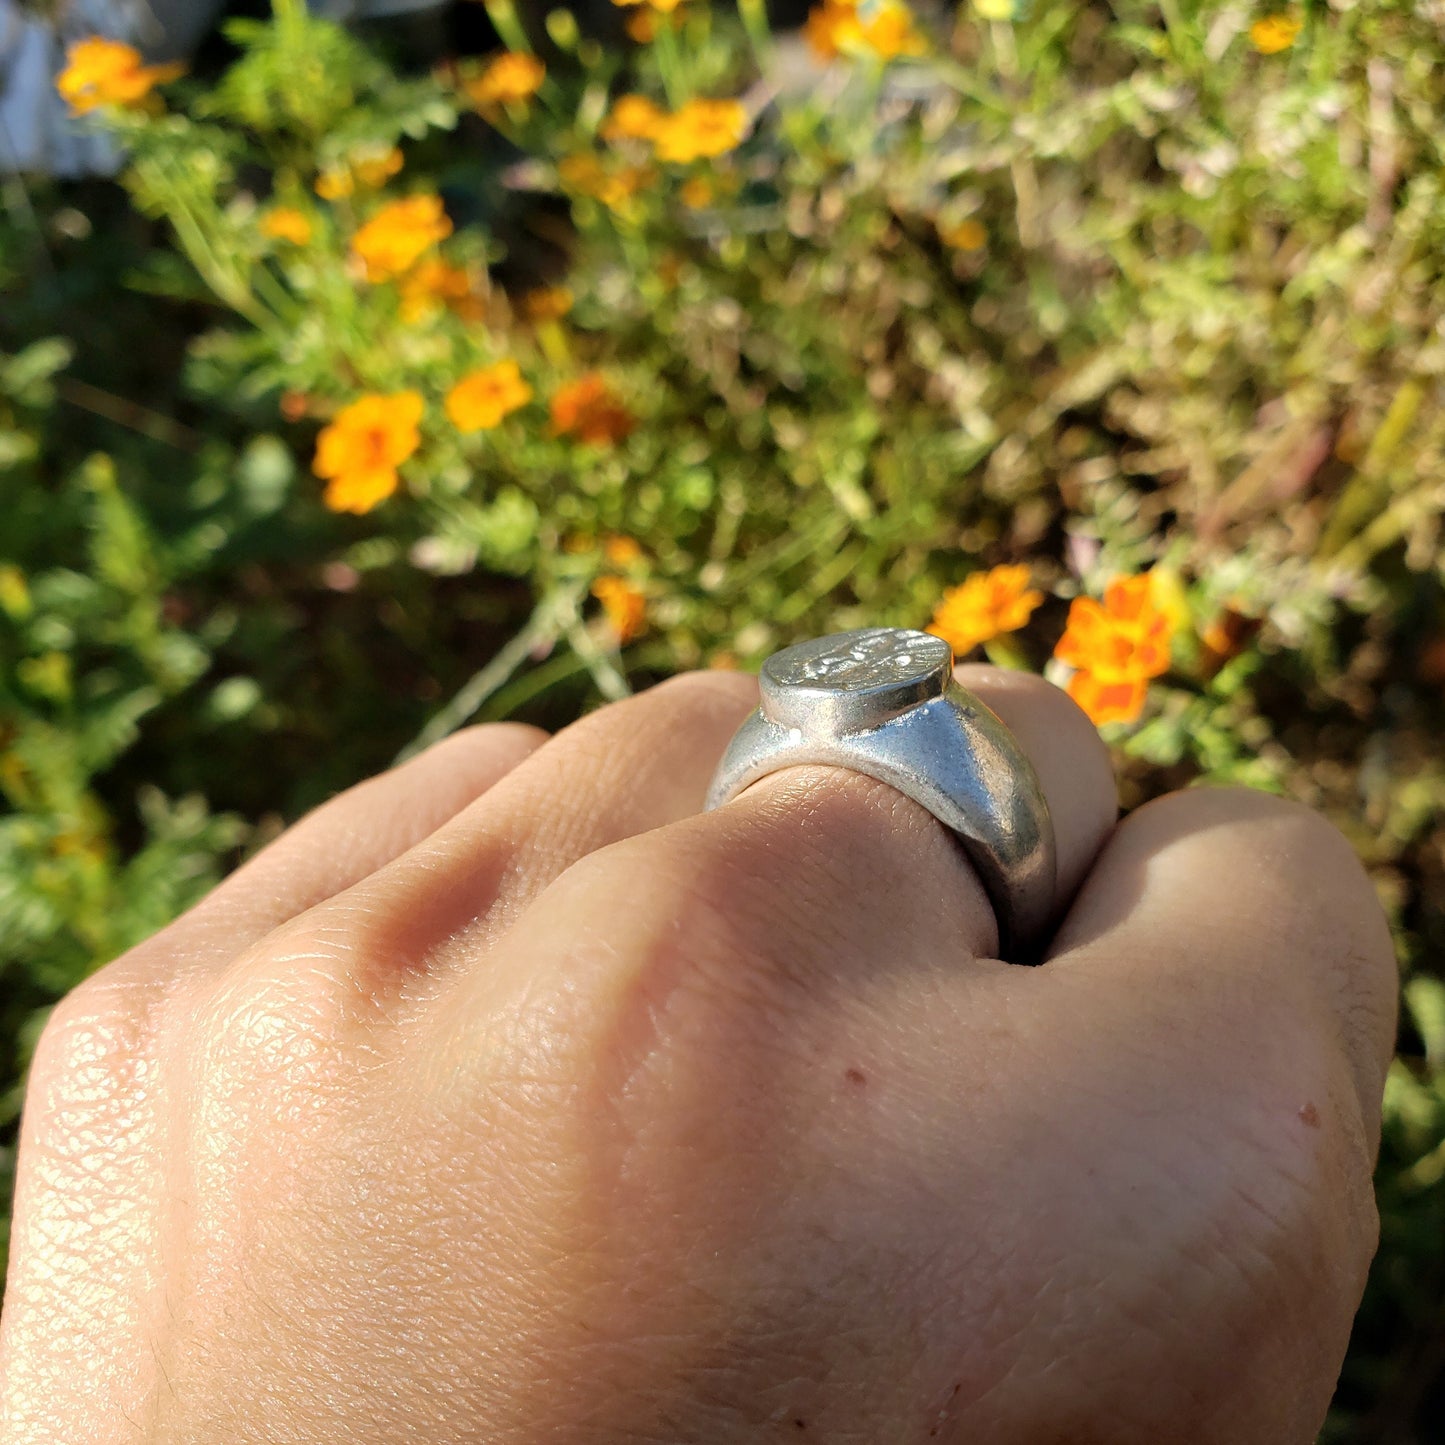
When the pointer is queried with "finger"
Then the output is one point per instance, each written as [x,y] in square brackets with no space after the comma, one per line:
[343,841]
[620,771]
[1245,907]
[1075,774]
[1070,758]
[811,860]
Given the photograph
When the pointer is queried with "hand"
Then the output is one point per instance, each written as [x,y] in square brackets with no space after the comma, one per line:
[508,1098]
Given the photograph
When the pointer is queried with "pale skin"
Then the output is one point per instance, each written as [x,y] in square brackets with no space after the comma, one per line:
[510,1098]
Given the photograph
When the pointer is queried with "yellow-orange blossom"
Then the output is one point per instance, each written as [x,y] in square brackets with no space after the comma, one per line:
[1116,647]
[701,128]
[359,451]
[399,234]
[483,398]
[108,72]
[286,223]
[512,78]
[984,606]
[591,411]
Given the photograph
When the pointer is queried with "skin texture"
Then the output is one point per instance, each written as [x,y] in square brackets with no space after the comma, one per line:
[510,1098]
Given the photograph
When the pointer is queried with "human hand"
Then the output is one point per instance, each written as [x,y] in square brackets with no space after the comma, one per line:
[510,1099]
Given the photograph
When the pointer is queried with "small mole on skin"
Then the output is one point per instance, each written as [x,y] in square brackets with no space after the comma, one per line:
[855,1076]
[801,1424]
[1310,1115]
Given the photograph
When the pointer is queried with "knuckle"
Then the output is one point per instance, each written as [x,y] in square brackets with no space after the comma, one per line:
[90,1072]
[691,1023]
[286,1031]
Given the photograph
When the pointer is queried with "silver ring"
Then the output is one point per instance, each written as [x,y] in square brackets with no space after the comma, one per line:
[883,701]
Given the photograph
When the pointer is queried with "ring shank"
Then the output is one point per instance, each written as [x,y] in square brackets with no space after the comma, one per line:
[955,757]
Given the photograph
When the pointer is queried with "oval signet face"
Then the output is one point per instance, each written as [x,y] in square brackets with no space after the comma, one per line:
[854,679]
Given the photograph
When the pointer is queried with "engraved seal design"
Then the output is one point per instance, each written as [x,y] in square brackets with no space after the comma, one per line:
[854,680]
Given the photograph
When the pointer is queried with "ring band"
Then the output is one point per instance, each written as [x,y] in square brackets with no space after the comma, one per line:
[883,701]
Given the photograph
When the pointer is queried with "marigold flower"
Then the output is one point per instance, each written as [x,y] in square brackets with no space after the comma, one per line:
[632,117]
[696,192]
[833,28]
[335,183]
[965,235]
[434,284]
[621,551]
[666,6]
[587,176]
[512,78]
[701,128]
[890,31]
[984,606]
[591,411]
[397,236]
[485,397]
[846,27]
[368,168]
[624,604]
[1116,648]
[101,72]
[286,223]
[547,303]
[361,448]
[1274,33]
[374,169]
[644,23]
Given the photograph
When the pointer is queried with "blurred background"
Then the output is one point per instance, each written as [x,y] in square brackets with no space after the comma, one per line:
[371,369]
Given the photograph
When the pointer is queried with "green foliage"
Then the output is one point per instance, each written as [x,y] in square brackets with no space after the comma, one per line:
[1102,290]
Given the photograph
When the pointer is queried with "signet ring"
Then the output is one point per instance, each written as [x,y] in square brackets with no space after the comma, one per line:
[883,701]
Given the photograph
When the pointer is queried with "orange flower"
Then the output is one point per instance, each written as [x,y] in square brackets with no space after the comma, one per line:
[371,168]
[644,23]
[1116,648]
[696,192]
[701,128]
[481,400]
[512,78]
[587,176]
[965,235]
[335,183]
[843,27]
[1275,33]
[666,6]
[396,237]
[362,447]
[286,223]
[101,72]
[374,169]
[435,283]
[833,28]
[591,411]
[624,604]
[547,303]
[891,31]
[632,117]
[621,551]
[984,606]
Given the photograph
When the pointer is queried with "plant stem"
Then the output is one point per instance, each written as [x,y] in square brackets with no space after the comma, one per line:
[509,25]
[546,624]
[760,34]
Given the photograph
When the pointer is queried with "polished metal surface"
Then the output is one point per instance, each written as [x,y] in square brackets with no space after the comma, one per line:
[882,701]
